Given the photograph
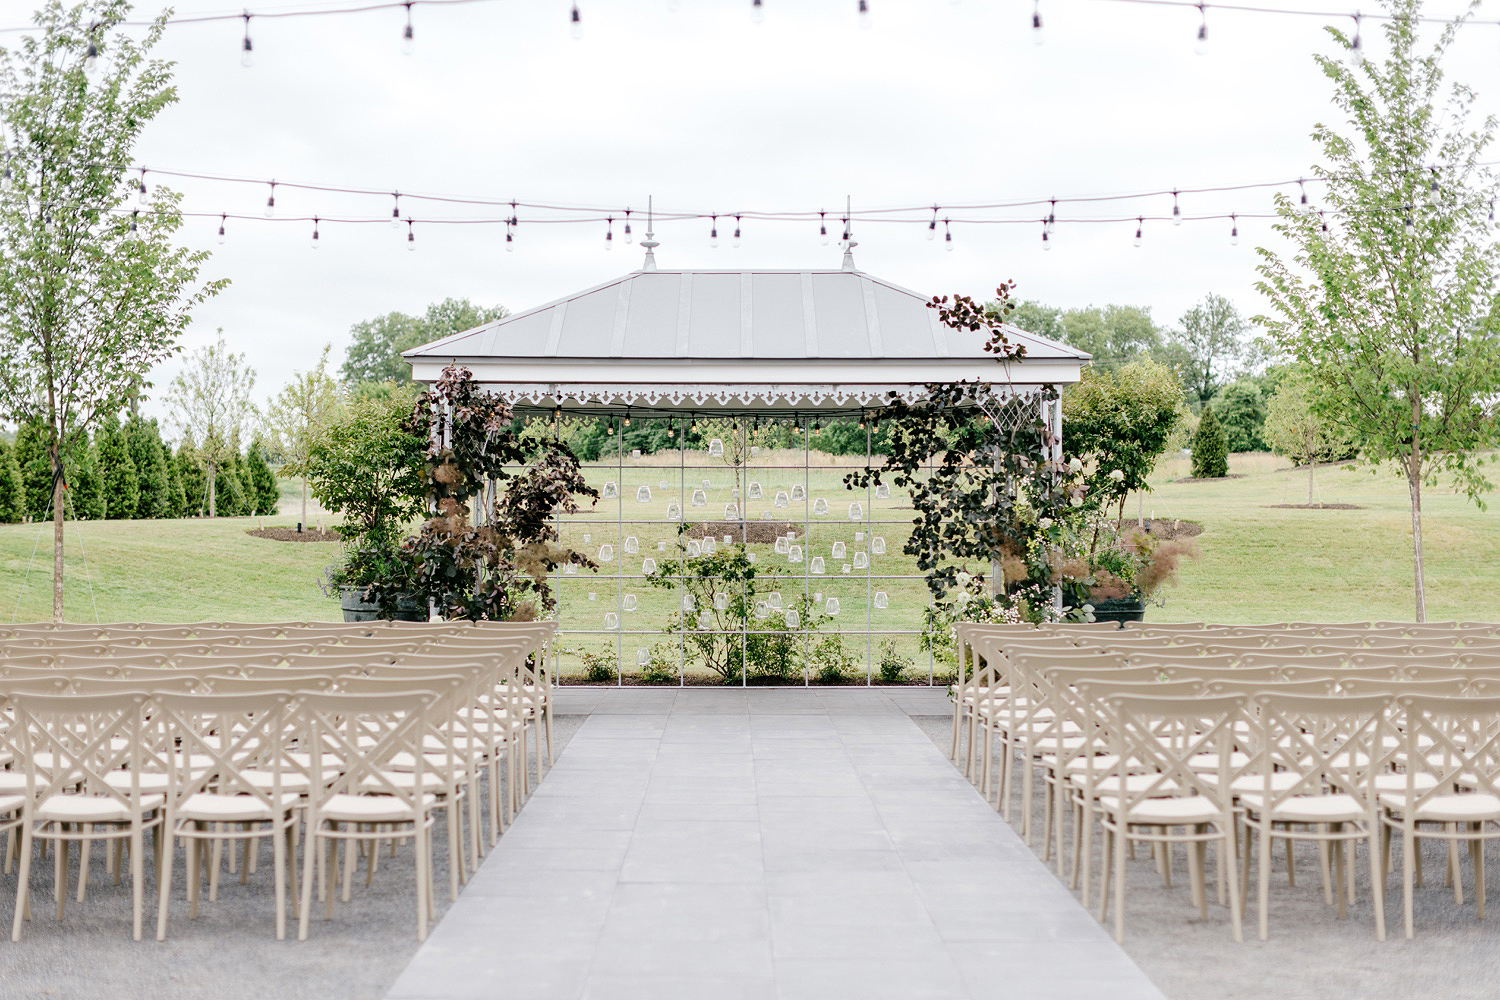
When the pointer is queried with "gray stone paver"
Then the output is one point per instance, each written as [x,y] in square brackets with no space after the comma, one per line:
[764,845]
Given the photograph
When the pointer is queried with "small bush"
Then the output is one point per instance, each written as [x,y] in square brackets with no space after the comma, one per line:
[661,667]
[832,663]
[599,668]
[893,665]
[1210,448]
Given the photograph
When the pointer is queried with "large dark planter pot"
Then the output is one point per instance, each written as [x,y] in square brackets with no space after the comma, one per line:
[357,609]
[1118,609]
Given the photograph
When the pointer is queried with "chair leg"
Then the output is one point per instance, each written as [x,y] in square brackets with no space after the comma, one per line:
[1325,854]
[1120,883]
[163,879]
[23,881]
[1454,875]
[1263,879]
[1106,864]
[1476,848]
[278,862]
[1236,898]
[61,888]
[1195,870]
[1378,867]
[138,877]
[308,867]
[424,875]
[1411,853]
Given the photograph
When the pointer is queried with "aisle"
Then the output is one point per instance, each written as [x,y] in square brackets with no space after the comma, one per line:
[763,845]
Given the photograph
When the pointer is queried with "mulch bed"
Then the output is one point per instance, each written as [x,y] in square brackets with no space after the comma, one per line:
[1165,527]
[1315,506]
[1209,479]
[758,532]
[293,535]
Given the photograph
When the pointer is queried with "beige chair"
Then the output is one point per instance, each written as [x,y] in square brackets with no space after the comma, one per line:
[84,757]
[230,769]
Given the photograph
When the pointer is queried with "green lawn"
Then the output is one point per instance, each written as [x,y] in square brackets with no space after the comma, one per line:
[1257,563]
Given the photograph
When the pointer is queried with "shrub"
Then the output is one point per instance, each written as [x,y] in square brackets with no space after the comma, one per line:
[36,471]
[893,665]
[122,492]
[599,668]
[87,492]
[661,666]
[153,488]
[1122,420]
[11,501]
[229,493]
[176,496]
[1241,411]
[832,663]
[263,493]
[194,479]
[1210,448]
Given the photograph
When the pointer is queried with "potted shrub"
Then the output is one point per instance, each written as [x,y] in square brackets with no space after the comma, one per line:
[368,467]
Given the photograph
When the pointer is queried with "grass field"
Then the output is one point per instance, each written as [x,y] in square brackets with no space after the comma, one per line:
[1258,563]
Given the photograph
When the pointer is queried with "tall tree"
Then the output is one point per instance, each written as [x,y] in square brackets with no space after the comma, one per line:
[210,401]
[36,470]
[144,443]
[1123,420]
[263,494]
[121,483]
[1115,335]
[304,408]
[1392,309]
[1212,338]
[95,293]
[1297,430]
[11,501]
[84,486]
[375,350]
[1210,448]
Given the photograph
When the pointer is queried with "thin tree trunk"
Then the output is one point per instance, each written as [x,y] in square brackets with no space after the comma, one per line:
[213,481]
[1414,484]
[1140,509]
[57,535]
[304,503]
[1310,467]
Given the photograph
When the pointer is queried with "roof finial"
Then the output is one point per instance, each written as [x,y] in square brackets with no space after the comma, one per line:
[650,241]
[849,242]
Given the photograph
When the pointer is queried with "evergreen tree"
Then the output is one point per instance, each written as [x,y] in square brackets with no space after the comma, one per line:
[122,490]
[1210,448]
[143,440]
[191,474]
[264,494]
[176,499]
[36,471]
[87,489]
[11,501]
[230,490]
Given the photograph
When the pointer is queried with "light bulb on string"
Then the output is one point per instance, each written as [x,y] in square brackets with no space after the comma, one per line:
[1492,210]
[510,239]
[1176,211]
[315,233]
[628,238]
[395,210]
[1302,187]
[932,224]
[713,233]
[575,27]
[1323,220]
[1052,215]
[141,187]
[864,13]
[1356,46]
[757,12]
[1200,46]
[222,218]
[247,50]
[609,232]
[271,201]
[1433,193]
[1234,230]
[411,237]
[1037,37]
[695,423]
[627,416]
[1406,216]
[845,238]
[1140,224]
[134,216]
[1046,236]
[91,57]
[735,240]
[822,224]
[408,39]
[947,237]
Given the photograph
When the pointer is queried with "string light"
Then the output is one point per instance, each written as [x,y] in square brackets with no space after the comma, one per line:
[1176,211]
[247,50]
[134,216]
[1036,23]
[845,238]
[947,236]
[510,240]
[408,41]
[411,236]
[1234,230]
[609,233]
[932,224]
[1052,214]
[735,240]
[271,202]
[628,238]
[575,27]
[141,187]
[1303,188]
[1140,223]
[395,209]
[627,416]
[864,14]
[713,233]
[315,233]
[1356,47]
[757,12]
[91,57]
[1200,46]
[222,219]
[822,220]
[695,423]
[1323,220]
[1046,237]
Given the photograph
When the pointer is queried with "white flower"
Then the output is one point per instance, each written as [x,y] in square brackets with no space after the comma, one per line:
[1118,475]
[1044,523]
[1078,501]
[1076,464]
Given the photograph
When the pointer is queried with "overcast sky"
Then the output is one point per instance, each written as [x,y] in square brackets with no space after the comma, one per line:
[935,102]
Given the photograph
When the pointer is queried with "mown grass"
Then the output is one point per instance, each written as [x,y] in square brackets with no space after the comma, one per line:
[1257,563]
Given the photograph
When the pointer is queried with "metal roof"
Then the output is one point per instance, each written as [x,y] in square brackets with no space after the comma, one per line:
[759,314]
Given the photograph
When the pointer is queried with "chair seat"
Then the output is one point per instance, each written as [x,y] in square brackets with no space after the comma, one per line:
[373,809]
[1133,783]
[91,808]
[291,781]
[1335,808]
[1447,808]
[146,781]
[10,803]
[1208,763]
[1397,782]
[406,779]
[210,807]
[1280,781]
[1186,809]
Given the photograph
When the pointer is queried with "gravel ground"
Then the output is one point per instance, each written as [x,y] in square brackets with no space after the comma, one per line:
[1311,954]
[230,951]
